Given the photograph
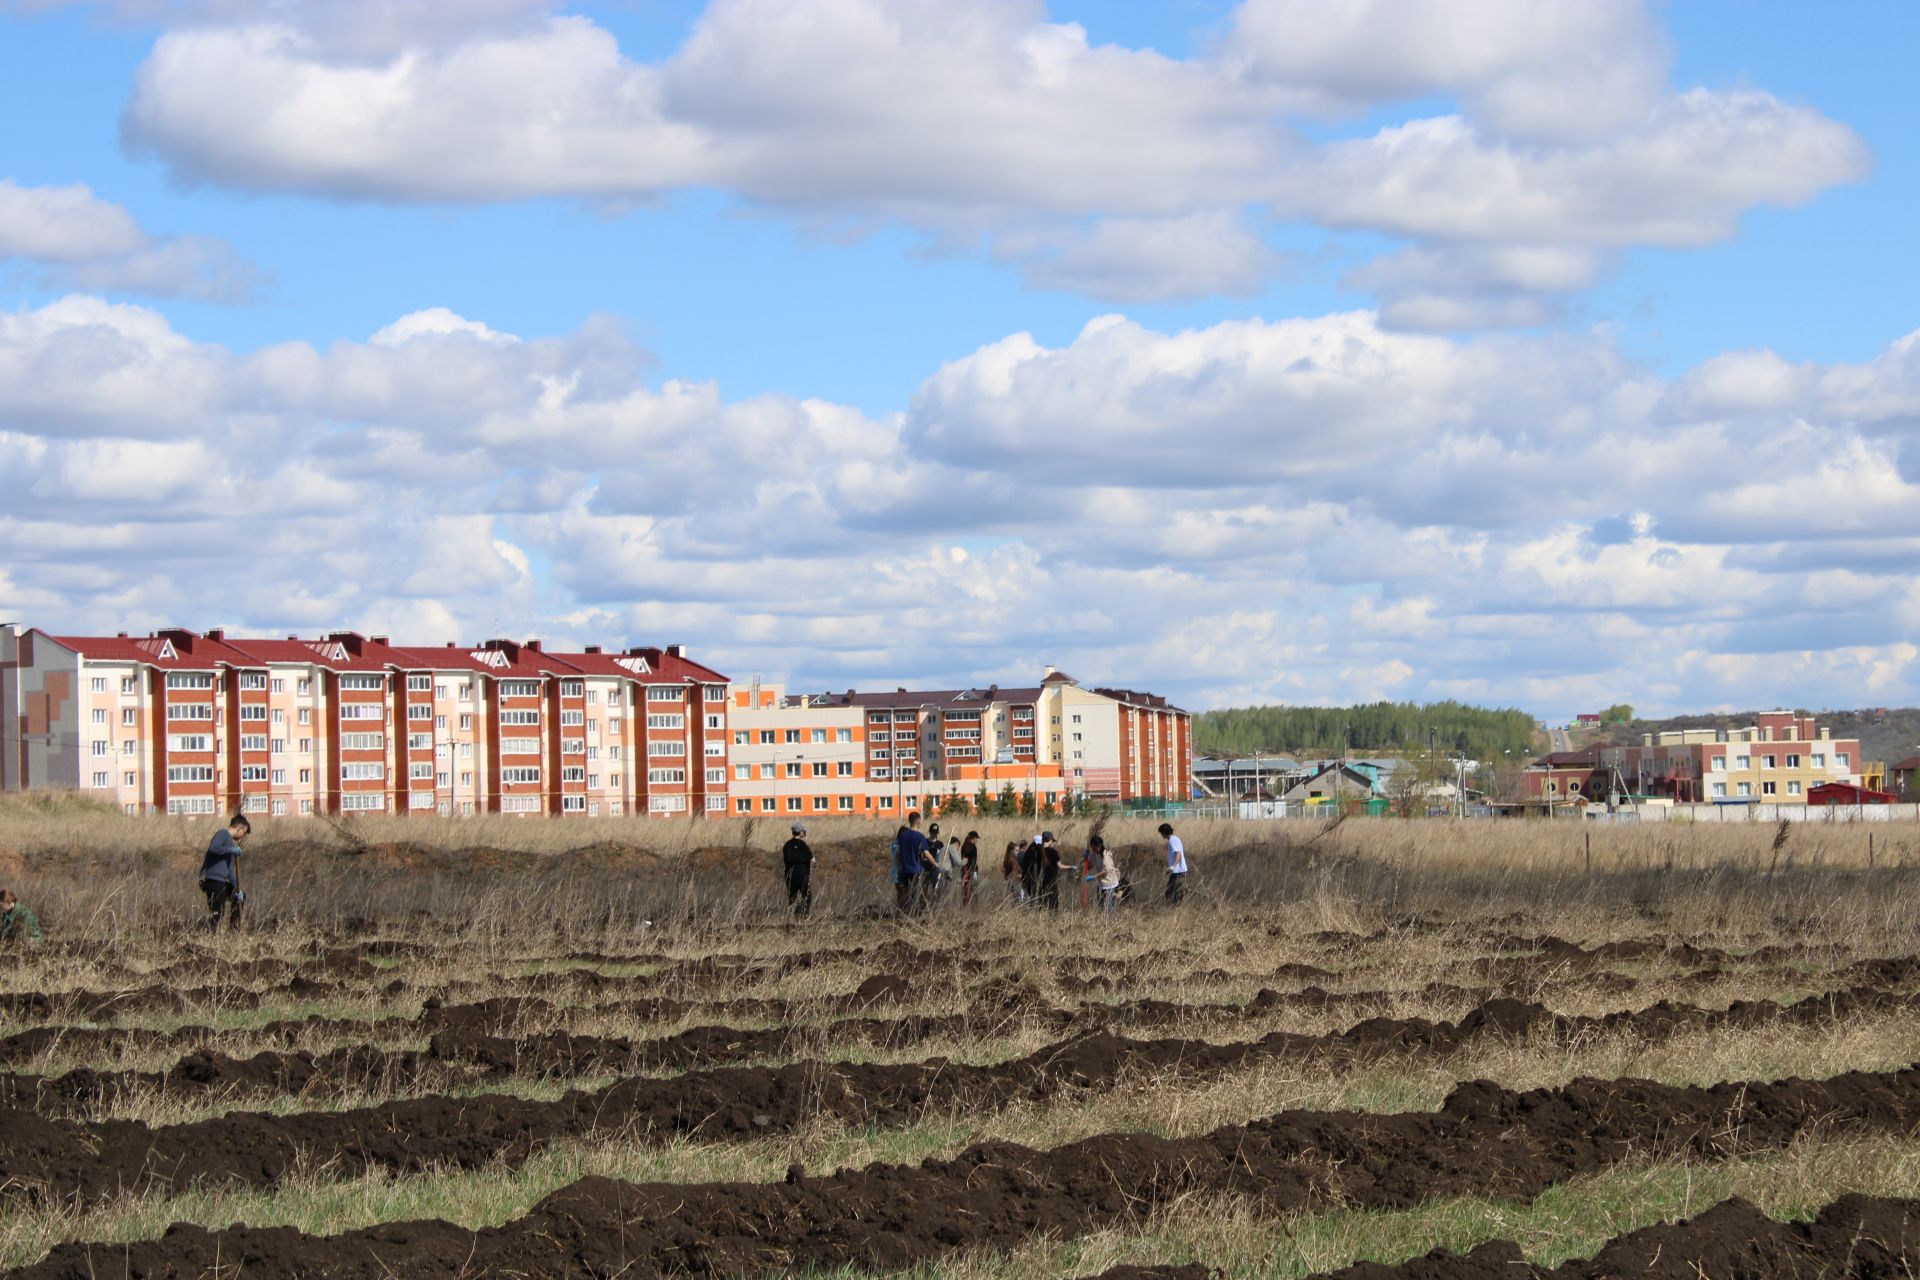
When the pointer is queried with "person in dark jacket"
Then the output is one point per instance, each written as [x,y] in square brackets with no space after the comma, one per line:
[911,863]
[969,866]
[1010,872]
[1049,871]
[1030,871]
[797,858]
[220,874]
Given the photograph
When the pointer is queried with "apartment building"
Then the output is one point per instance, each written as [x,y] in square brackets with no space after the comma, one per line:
[186,723]
[883,754]
[1777,760]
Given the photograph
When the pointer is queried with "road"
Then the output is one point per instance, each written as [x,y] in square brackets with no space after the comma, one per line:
[1557,740]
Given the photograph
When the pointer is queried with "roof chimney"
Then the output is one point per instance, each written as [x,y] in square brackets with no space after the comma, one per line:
[217,634]
[382,640]
[123,635]
[593,648]
[1050,669]
[676,651]
[533,646]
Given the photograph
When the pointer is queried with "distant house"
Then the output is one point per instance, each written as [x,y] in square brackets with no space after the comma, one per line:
[1848,793]
[1587,720]
[1561,777]
[1902,774]
[1330,785]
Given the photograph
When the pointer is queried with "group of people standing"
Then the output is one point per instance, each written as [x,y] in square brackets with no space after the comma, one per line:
[924,867]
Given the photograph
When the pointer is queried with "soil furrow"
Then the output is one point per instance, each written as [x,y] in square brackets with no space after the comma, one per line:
[41,1156]
[1485,1141]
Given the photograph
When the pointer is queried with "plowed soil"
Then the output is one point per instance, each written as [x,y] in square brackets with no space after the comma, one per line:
[460,1052]
[1485,1141]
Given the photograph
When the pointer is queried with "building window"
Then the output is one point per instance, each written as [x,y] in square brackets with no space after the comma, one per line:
[129,747]
[741,737]
[190,711]
[363,771]
[129,779]
[306,776]
[1767,788]
[1793,787]
[279,777]
[573,719]
[1745,789]
[820,769]
[743,805]
[364,802]
[520,773]
[844,769]
[1843,759]
[306,715]
[525,716]
[743,771]
[667,720]
[767,804]
[253,680]
[189,680]
[1793,760]
[253,742]
[793,771]
[128,685]
[1819,760]
[253,773]
[573,804]
[767,738]
[666,748]
[519,688]
[573,688]
[667,775]
[716,775]
[793,735]
[102,780]
[306,807]
[354,680]
[819,804]
[100,746]
[793,804]
[306,746]
[819,735]
[277,685]
[1743,762]
[846,804]
[305,686]
[664,693]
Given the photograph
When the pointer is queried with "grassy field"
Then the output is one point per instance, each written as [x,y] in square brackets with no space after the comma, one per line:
[470,1021]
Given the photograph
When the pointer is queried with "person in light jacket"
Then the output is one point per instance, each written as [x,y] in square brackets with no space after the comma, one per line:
[1107,870]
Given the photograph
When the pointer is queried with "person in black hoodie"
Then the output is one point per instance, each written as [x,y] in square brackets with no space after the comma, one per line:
[1030,871]
[798,859]
[1049,871]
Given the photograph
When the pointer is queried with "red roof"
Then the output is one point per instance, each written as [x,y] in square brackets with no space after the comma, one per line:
[175,649]
[1847,793]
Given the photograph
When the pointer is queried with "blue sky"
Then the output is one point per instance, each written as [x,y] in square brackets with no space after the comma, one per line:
[1264,351]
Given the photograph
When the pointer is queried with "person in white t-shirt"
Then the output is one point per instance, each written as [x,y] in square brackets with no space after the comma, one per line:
[1176,865]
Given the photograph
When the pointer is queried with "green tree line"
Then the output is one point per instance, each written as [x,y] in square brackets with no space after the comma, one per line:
[1400,728]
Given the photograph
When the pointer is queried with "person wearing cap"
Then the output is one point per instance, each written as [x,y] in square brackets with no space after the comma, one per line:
[798,859]
[1176,865]
[1049,871]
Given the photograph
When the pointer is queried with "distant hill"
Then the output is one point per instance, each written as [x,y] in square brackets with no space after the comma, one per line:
[1397,727]
[1886,733]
